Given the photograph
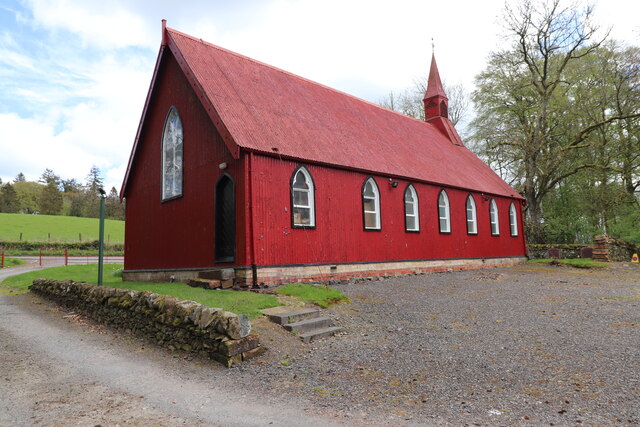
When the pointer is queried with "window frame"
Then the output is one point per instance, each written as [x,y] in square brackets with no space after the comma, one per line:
[447,217]
[416,209]
[312,197]
[163,174]
[474,213]
[513,220]
[377,204]
[494,215]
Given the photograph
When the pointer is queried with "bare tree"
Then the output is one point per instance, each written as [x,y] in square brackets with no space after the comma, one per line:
[522,103]
[409,102]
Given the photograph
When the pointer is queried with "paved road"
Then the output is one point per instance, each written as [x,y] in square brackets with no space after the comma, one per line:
[56,369]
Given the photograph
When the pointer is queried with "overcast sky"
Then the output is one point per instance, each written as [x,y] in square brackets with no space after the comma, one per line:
[74,74]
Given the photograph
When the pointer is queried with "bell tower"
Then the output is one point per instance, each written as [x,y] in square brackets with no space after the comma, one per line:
[436,103]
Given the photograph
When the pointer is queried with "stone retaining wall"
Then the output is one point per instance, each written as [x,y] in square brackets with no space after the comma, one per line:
[169,321]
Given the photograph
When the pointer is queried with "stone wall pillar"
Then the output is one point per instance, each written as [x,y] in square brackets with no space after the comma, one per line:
[600,252]
[607,248]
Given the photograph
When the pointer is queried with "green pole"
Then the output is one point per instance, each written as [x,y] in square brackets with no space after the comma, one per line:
[101,238]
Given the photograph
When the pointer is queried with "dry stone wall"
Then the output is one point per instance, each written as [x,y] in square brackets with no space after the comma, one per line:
[169,321]
[537,251]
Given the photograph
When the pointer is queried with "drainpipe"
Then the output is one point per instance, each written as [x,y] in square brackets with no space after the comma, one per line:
[254,268]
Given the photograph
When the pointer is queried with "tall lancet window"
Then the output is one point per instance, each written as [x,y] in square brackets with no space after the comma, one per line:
[302,199]
[513,219]
[411,217]
[493,216]
[371,205]
[172,158]
[443,212]
[472,219]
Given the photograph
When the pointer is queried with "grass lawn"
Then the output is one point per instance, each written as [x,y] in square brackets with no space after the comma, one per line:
[317,294]
[36,228]
[11,262]
[239,302]
[573,262]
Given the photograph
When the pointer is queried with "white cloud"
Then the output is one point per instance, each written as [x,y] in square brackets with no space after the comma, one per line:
[72,96]
[104,24]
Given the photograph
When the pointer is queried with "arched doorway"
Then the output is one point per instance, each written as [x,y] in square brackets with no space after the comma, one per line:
[225,220]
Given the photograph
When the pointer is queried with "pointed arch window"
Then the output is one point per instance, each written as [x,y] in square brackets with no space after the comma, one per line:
[371,205]
[472,217]
[172,158]
[411,215]
[513,219]
[493,218]
[303,213]
[444,218]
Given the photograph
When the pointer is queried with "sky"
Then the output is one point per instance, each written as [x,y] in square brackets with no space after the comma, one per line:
[74,74]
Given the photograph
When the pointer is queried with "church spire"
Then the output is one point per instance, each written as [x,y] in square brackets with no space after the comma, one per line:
[436,103]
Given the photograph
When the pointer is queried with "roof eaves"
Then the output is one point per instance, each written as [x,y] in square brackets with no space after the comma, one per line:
[202,96]
[514,195]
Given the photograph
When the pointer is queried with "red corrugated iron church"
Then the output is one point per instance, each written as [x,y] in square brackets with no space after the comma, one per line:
[240,164]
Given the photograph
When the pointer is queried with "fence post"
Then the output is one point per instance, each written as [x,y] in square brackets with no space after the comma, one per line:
[66,256]
[2,263]
[40,257]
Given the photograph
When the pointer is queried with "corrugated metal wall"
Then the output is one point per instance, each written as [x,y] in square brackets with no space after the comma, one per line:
[339,235]
[178,233]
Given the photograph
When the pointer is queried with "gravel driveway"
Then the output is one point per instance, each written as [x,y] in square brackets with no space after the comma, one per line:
[527,345]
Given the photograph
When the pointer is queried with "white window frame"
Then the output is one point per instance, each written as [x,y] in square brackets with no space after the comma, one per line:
[513,220]
[414,204]
[376,204]
[310,197]
[494,218]
[443,204]
[471,215]
[172,138]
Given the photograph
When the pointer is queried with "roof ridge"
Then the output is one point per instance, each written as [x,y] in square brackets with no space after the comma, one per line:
[294,75]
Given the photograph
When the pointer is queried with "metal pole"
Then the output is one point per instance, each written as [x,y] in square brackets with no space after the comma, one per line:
[101,238]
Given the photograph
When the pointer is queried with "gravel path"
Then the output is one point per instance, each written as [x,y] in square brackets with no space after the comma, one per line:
[532,345]
[527,345]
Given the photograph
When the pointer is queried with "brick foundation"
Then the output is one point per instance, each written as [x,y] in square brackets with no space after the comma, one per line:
[273,275]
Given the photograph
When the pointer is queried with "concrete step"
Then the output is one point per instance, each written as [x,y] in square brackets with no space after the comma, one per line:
[316,334]
[294,316]
[308,325]
[219,274]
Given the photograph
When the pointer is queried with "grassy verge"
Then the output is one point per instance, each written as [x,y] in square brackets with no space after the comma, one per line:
[60,252]
[239,302]
[573,262]
[11,262]
[317,294]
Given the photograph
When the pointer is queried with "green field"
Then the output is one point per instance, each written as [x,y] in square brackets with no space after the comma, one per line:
[44,228]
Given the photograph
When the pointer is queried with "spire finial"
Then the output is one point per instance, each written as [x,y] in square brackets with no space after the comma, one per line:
[433,46]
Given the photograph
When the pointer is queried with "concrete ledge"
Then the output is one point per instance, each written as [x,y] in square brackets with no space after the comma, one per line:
[275,275]
[323,273]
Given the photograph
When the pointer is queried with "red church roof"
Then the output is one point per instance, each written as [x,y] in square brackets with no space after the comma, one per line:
[257,107]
